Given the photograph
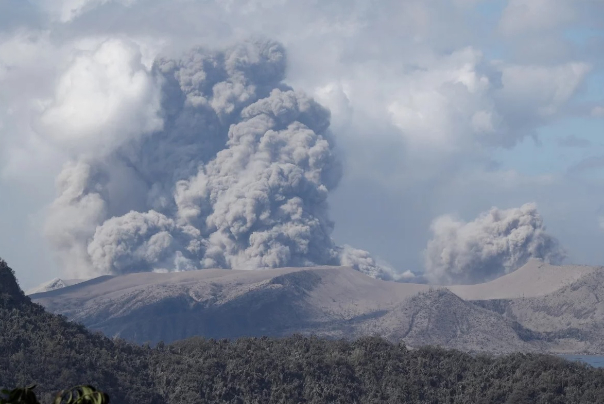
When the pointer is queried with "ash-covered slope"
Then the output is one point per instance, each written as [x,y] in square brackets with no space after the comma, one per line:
[330,301]
[54,284]
[439,317]
[225,303]
[571,319]
[535,278]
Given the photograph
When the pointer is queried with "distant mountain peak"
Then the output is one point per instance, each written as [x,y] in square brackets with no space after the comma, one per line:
[54,284]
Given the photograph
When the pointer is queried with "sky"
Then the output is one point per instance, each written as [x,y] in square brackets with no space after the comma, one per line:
[450,119]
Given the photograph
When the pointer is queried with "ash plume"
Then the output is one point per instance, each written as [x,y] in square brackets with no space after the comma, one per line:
[237,177]
[496,243]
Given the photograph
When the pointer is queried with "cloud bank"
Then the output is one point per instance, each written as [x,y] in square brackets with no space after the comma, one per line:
[203,161]
[494,244]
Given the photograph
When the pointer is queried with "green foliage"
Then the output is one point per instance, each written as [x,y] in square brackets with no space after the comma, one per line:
[23,395]
[76,395]
[81,395]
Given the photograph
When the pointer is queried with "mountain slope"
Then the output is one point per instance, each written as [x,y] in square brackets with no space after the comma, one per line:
[335,302]
[224,303]
[439,317]
[43,349]
[535,278]
[571,318]
[53,284]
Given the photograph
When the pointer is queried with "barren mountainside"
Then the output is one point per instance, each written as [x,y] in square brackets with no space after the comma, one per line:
[537,308]
[53,284]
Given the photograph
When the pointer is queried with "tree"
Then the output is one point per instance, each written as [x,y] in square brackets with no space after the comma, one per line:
[76,395]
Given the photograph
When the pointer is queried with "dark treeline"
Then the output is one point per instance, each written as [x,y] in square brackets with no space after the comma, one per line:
[44,349]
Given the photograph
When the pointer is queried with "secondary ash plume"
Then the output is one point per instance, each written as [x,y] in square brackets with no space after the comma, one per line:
[496,243]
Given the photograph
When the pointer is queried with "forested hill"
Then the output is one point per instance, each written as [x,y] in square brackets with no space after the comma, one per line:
[37,347]
[44,349]
[10,292]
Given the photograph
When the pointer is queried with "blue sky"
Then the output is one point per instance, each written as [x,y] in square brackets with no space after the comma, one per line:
[439,108]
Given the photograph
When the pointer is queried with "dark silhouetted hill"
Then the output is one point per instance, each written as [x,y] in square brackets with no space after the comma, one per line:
[45,349]
[10,292]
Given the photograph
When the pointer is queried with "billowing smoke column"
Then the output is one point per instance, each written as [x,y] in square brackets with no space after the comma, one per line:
[237,177]
[494,244]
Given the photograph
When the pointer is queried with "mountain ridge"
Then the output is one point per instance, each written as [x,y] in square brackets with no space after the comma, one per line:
[53,284]
[335,302]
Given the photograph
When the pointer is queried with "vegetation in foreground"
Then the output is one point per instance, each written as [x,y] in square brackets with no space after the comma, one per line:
[45,349]
[76,395]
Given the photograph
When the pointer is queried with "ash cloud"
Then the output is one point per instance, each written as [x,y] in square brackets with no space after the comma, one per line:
[496,243]
[237,176]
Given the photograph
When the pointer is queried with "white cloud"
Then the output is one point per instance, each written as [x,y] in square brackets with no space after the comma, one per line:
[436,106]
[597,112]
[106,97]
[455,103]
[27,70]
[540,91]
[527,16]
[67,10]
[21,49]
